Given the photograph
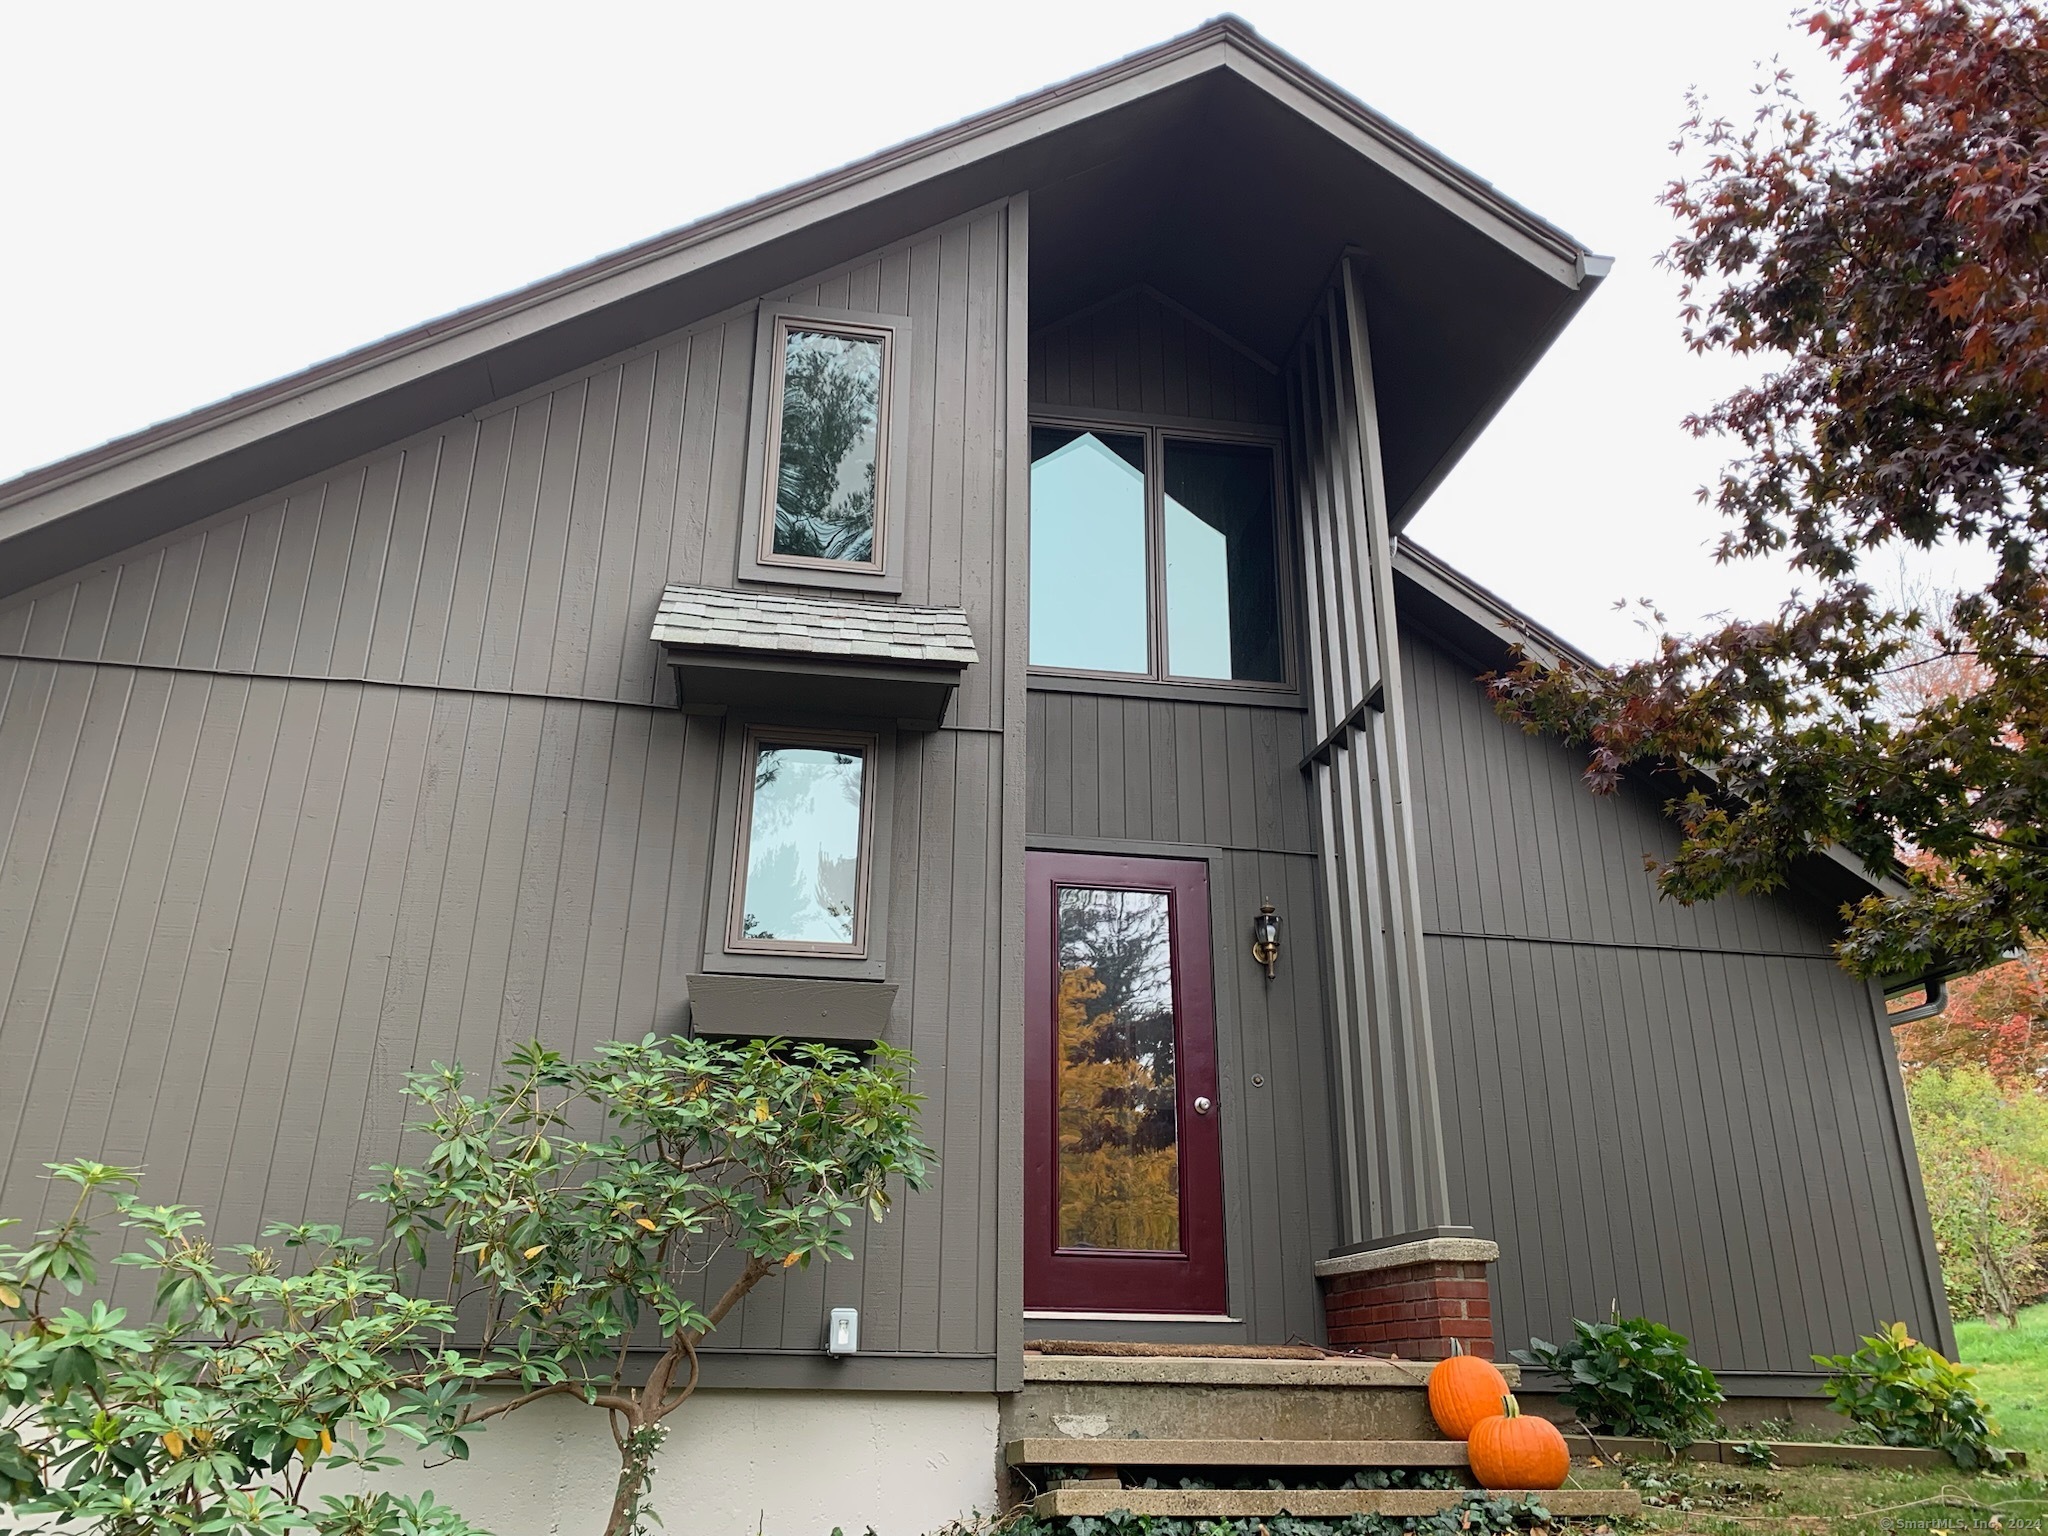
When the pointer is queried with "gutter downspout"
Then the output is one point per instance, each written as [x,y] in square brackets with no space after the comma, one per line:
[1937,999]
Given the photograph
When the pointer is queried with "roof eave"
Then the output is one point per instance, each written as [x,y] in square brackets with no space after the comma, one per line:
[1591,272]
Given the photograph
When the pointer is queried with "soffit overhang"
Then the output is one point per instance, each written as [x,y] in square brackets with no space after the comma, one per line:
[1255,174]
[1238,205]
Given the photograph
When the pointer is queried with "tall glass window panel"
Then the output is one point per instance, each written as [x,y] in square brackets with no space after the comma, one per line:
[1089,609]
[1222,568]
[1118,1130]
[828,449]
[802,880]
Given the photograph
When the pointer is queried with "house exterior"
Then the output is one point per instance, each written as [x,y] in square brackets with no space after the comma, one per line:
[959,601]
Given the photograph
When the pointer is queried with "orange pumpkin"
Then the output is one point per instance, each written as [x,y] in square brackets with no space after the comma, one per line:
[1463,1389]
[1511,1450]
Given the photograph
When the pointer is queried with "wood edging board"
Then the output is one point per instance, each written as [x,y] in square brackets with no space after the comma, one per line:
[1314,1503]
[1788,1453]
[1057,1452]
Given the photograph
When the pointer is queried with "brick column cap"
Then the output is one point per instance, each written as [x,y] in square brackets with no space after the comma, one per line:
[1428,1250]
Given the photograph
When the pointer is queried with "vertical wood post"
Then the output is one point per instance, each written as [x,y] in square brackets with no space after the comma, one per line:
[1389,1121]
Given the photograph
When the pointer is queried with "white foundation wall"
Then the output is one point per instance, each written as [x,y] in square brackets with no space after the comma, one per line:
[784,1463]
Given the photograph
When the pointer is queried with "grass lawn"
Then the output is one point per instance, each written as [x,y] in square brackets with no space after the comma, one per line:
[1720,1501]
[2012,1369]
[1861,1502]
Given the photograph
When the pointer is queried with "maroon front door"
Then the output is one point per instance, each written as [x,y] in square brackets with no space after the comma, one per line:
[1123,1177]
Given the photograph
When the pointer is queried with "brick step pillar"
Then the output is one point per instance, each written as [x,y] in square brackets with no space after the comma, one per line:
[1411,1297]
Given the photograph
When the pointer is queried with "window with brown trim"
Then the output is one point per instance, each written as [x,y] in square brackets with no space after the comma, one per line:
[803,856]
[1156,554]
[825,457]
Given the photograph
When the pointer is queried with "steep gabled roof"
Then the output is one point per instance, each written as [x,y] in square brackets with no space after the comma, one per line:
[1476,286]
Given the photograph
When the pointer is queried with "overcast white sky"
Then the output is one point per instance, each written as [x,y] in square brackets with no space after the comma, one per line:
[198,198]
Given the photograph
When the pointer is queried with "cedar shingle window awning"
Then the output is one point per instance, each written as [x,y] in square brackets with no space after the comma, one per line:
[819,655]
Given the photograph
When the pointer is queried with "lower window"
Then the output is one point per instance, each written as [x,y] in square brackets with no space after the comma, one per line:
[801,868]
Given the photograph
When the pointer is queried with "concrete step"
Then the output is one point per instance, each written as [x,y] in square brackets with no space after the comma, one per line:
[1062,1451]
[1171,1398]
[1183,1370]
[1313,1503]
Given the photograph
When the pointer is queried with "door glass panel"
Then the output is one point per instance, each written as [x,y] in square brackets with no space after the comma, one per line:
[1222,577]
[825,462]
[1118,1141]
[803,846]
[1088,603]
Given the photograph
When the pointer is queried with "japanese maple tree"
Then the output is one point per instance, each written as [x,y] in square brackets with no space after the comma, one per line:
[1888,265]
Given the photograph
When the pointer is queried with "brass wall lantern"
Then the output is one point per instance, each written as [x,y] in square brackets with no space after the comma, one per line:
[1266,937]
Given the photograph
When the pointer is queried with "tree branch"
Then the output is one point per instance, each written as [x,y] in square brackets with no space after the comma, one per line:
[552,1389]
[669,1405]
[625,1350]
[2002,842]
[721,1160]
[734,1295]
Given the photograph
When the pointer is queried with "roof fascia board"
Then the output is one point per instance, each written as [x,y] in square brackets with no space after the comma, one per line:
[470,335]
[1509,625]
[1503,622]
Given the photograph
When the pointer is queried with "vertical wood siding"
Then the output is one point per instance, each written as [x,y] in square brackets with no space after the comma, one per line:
[523,548]
[1222,780]
[1167,770]
[1690,1111]
[1144,355]
[379,771]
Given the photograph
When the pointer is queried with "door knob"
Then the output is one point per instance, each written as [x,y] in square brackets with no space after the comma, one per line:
[1203,1106]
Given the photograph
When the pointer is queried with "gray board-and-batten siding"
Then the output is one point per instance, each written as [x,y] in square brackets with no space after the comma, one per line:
[1691,1111]
[381,770]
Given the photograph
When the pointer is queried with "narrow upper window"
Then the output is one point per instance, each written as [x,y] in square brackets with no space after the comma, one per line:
[800,877]
[827,459]
[1154,556]
[826,448]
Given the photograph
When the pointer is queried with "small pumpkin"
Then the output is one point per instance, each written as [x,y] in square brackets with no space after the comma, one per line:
[1512,1450]
[1463,1389]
